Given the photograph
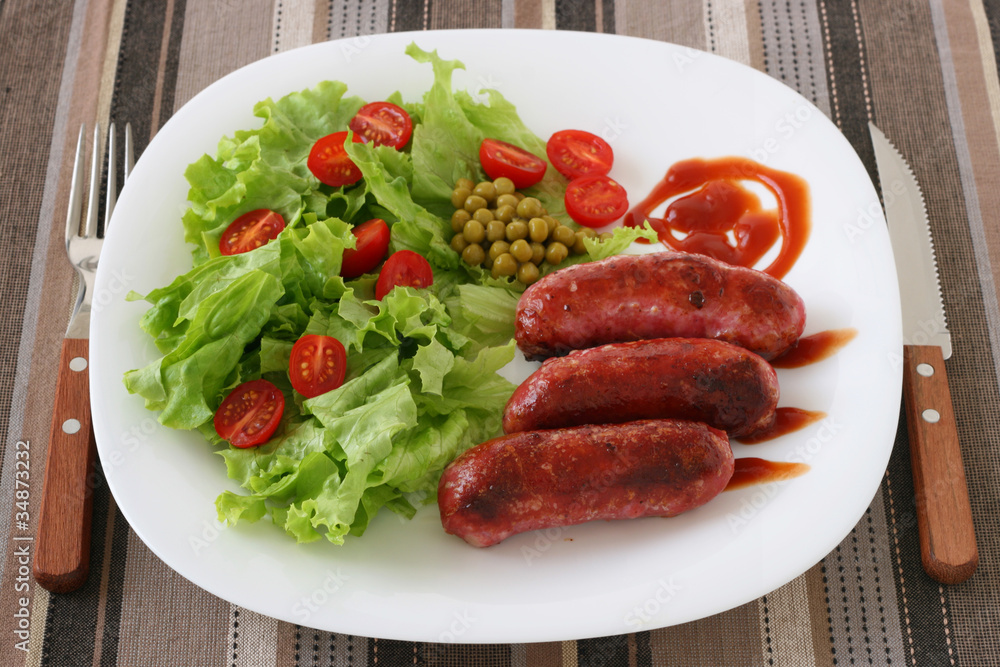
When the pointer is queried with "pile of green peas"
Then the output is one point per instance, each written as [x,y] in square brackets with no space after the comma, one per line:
[510,234]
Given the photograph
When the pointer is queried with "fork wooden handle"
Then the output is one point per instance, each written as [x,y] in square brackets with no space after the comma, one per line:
[944,516]
[62,549]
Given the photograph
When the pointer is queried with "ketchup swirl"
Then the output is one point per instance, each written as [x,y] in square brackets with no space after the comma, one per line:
[719,209]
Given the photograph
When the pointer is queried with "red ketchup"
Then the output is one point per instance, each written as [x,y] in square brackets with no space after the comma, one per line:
[786,420]
[713,208]
[750,470]
[819,346]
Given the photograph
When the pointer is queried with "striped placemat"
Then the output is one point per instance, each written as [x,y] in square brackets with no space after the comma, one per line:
[924,70]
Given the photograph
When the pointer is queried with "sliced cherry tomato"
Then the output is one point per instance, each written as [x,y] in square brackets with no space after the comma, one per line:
[250,414]
[405,268]
[372,244]
[317,365]
[595,201]
[330,163]
[502,159]
[575,153]
[251,230]
[383,124]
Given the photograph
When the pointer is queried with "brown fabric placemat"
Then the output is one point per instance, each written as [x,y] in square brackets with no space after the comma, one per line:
[924,70]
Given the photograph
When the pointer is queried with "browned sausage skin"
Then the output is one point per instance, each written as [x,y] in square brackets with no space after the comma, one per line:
[698,379]
[657,295]
[543,479]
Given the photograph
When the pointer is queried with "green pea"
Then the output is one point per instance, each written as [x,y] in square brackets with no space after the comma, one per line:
[504,265]
[517,230]
[504,186]
[458,243]
[529,207]
[483,215]
[521,250]
[495,231]
[537,253]
[473,255]
[458,220]
[459,195]
[538,229]
[465,183]
[498,248]
[474,232]
[474,203]
[556,253]
[564,235]
[527,273]
[505,213]
[578,247]
[506,200]
[486,190]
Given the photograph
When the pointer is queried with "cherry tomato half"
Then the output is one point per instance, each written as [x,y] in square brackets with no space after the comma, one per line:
[250,414]
[251,230]
[595,201]
[330,163]
[502,159]
[405,268]
[372,244]
[317,365]
[575,153]
[383,124]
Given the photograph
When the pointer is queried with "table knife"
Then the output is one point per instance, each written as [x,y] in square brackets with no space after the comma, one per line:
[944,516]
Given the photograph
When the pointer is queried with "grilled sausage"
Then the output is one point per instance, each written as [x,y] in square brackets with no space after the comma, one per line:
[543,479]
[658,295]
[698,379]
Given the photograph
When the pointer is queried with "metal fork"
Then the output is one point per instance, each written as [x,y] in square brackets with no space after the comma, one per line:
[62,550]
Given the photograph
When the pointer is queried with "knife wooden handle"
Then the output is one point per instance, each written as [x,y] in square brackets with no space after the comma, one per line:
[944,516]
[62,549]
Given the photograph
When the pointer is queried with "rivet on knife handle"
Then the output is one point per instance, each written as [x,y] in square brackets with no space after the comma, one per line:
[62,549]
[944,516]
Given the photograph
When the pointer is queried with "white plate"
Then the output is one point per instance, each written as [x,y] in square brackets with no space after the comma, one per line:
[656,103]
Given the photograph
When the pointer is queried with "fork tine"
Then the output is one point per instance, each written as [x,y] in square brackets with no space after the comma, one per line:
[129,159]
[90,226]
[112,193]
[75,211]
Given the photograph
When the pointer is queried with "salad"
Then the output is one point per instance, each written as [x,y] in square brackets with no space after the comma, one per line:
[416,367]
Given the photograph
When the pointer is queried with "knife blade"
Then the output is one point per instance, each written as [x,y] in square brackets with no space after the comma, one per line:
[944,515]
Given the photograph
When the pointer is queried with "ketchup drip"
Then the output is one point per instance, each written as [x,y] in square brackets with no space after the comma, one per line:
[786,420]
[719,209]
[750,470]
[819,346]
